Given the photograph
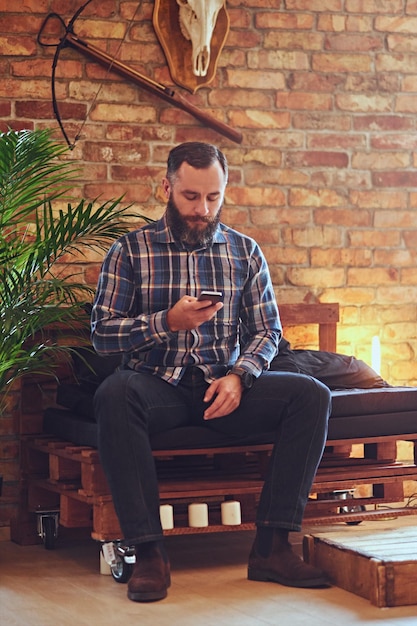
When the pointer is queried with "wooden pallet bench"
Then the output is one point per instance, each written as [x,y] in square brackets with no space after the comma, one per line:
[69,478]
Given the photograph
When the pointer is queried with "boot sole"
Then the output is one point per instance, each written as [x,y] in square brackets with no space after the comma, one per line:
[150,596]
[147,596]
[270,576]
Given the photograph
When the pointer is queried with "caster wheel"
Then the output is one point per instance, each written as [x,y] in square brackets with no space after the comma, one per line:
[120,570]
[49,532]
[345,510]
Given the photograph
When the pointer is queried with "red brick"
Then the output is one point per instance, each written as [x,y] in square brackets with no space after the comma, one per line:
[277,60]
[316,82]
[334,140]
[284,20]
[134,193]
[24,6]
[314,5]
[380,161]
[340,257]
[378,199]
[261,235]
[20,24]
[375,123]
[401,43]
[372,276]
[317,277]
[395,179]
[404,63]
[374,6]
[396,258]
[17,45]
[347,42]
[255,196]
[284,256]
[364,103]
[410,238]
[396,24]
[5,109]
[304,101]
[400,218]
[260,119]
[34,109]
[255,79]
[239,17]
[292,40]
[316,197]
[373,238]
[325,121]
[343,217]
[341,63]
[318,159]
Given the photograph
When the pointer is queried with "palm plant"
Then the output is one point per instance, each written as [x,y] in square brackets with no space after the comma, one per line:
[34,236]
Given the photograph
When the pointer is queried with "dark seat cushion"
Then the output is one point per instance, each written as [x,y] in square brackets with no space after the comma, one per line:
[367,407]
[359,413]
[73,427]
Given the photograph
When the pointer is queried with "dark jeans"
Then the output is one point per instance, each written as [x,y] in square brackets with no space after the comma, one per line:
[131,406]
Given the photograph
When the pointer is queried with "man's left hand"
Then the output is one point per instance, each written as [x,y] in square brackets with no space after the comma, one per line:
[227,393]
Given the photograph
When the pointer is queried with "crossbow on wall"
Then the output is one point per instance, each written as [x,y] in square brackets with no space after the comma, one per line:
[69,39]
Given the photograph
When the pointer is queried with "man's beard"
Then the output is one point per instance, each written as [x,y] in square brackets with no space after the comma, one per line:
[183,230]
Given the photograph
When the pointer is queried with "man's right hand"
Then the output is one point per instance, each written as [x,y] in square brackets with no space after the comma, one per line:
[189,313]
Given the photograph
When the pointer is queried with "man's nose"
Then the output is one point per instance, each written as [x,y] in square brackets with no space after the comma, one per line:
[201,207]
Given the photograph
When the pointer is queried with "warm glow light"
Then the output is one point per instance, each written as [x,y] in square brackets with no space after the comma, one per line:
[376,354]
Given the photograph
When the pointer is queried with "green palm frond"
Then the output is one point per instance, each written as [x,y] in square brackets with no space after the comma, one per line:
[30,169]
[34,235]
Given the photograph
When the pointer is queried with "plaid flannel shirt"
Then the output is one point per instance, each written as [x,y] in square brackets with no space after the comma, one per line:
[147,271]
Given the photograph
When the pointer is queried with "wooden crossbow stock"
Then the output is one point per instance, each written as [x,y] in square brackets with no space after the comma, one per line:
[69,39]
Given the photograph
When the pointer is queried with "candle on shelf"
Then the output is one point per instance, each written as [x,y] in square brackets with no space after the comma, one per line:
[230,511]
[166,513]
[198,514]
[376,354]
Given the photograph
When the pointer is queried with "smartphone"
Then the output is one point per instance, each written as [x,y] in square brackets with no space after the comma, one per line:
[214,296]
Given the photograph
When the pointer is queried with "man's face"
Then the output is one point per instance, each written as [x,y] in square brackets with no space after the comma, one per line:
[195,200]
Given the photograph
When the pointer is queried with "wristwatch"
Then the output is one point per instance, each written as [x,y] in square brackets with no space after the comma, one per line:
[246,378]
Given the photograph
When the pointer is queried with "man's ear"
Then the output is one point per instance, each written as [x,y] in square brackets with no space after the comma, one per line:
[166,187]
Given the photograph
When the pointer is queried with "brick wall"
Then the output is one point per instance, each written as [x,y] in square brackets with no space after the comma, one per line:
[324,93]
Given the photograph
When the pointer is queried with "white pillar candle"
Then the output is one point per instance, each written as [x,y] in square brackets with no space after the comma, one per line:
[231,515]
[166,513]
[198,515]
[376,354]
[105,569]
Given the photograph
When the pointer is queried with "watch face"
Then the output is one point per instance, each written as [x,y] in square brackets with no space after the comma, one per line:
[247,380]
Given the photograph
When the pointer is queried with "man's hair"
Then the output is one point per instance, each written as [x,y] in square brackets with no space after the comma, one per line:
[197,154]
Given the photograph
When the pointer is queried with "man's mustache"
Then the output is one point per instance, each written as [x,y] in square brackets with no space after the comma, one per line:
[196,218]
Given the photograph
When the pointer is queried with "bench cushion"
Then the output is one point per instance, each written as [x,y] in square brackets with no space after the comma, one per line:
[356,414]
[374,409]
[360,413]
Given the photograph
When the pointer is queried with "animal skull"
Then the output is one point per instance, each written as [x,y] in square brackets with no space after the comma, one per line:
[197,22]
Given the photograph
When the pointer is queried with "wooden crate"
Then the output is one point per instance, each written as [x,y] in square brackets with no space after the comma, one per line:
[380,566]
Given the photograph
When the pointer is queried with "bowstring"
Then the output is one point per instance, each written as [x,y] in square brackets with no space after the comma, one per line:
[109,68]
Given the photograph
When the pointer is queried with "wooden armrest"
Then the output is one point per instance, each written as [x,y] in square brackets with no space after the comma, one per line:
[325,315]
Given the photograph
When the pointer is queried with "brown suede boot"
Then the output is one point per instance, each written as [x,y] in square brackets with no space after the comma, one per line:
[151,576]
[283,566]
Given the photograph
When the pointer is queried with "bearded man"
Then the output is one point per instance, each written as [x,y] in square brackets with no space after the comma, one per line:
[193,361]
